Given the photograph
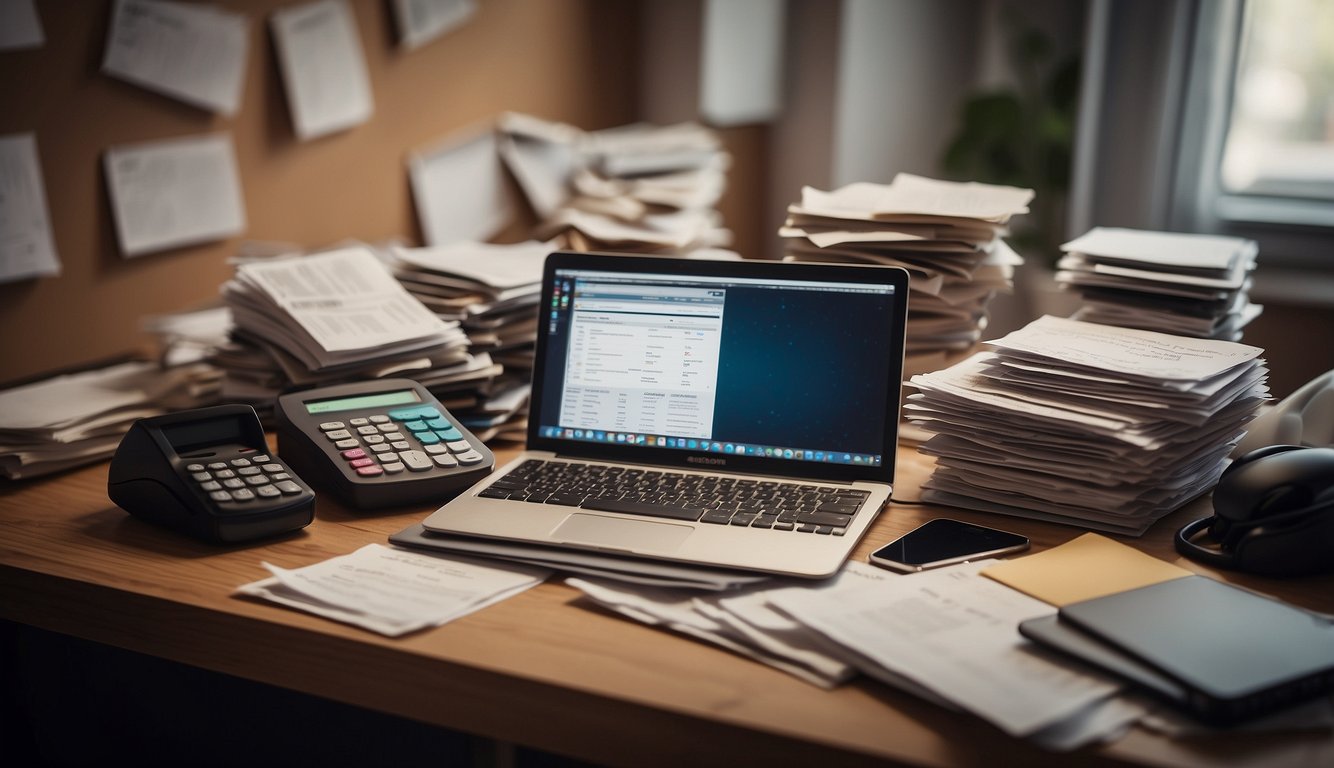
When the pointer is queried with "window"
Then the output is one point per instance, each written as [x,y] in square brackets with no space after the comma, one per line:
[1280,137]
[1255,150]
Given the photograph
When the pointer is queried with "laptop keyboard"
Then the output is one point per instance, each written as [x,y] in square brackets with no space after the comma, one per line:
[720,500]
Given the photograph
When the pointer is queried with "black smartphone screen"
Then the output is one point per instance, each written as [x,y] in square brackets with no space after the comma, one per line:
[943,540]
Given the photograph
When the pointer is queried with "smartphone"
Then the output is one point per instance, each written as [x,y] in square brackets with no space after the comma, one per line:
[943,542]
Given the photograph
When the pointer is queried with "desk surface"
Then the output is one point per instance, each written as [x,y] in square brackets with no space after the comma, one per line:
[543,668]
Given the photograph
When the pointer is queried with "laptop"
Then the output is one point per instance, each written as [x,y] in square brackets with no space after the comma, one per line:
[733,414]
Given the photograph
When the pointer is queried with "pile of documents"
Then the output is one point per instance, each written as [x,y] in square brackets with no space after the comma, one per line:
[960,649]
[1086,424]
[79,418]
[637,188]
[334,317]
[492,291]
[1191,285]
[948,235]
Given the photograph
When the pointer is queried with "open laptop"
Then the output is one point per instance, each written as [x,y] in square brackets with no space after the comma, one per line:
[664,390]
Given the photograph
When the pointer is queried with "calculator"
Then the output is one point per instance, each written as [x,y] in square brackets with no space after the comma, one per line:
[207,472]
[379,443]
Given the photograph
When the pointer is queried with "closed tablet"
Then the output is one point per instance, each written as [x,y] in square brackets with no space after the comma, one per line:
[1219,641]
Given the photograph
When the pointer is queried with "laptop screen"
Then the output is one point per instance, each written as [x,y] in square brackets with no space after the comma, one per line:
[762,366]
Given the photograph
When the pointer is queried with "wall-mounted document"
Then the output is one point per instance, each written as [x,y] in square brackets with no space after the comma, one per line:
[26,246]
[741,73]
[20,26]
[175,192]
[193,53]
[460,191]
[323,67]
[421,21]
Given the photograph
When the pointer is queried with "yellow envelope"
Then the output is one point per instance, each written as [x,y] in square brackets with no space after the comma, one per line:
[1087,567]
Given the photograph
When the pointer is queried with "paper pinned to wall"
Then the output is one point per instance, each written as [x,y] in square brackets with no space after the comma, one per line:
[323,67]
[174,192]
[741,72]
[20,26]
[460,190]
[421,21]
[193,53]
[27,248]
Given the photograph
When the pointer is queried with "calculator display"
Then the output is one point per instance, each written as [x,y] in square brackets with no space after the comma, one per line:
[377,400]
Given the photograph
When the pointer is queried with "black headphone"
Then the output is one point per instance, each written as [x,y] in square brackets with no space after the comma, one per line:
[1273,514]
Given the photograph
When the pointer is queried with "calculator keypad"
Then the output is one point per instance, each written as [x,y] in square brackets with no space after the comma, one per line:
[243,480]
[414,440]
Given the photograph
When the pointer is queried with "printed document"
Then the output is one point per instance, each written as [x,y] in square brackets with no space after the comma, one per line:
[191,52]
[421,21]
[956,633]
[323,67]
[392,591]
[1127,351]
[27,248]
[20,26]
[460,190]
[345,300]
[174,192]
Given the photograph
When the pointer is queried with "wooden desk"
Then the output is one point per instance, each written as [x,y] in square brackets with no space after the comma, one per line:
[541,669]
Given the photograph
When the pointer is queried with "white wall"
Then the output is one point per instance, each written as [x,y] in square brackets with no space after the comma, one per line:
[904,68]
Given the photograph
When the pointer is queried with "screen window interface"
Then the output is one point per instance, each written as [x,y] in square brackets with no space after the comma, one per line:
[775,369]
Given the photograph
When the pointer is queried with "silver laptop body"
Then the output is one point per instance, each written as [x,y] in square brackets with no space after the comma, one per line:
[765,375]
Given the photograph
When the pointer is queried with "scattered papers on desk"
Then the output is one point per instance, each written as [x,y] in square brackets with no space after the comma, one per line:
[27,247]
[1092,425]
[955,633]
[174,192]
[741,620]
[946,234]
[79,418]
[1187,284]
[190,52]
[392,591]
[629,570]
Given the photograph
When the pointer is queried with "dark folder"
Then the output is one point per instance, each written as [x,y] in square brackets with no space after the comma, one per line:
[1224,654]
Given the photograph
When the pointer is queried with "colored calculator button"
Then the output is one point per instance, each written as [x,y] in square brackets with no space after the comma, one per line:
[372,471]
[427,438]
[415,426]
[355,453]
[361,463]
[439,423]
[450,434]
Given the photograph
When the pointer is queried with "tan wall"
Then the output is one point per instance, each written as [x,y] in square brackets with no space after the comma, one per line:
[569,60]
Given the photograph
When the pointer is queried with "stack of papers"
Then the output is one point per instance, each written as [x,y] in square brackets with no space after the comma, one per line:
[492,291]
[1086,424]
[946,234]
[75,419]
[636,188]
[1191,285]
[330,318]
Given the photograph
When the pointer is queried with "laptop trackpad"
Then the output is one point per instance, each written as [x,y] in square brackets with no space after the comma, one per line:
[617,533]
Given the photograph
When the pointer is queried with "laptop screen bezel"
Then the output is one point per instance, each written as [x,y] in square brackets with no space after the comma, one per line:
[712,461]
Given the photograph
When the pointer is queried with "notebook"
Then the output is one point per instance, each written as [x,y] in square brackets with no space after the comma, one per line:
[662,385]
